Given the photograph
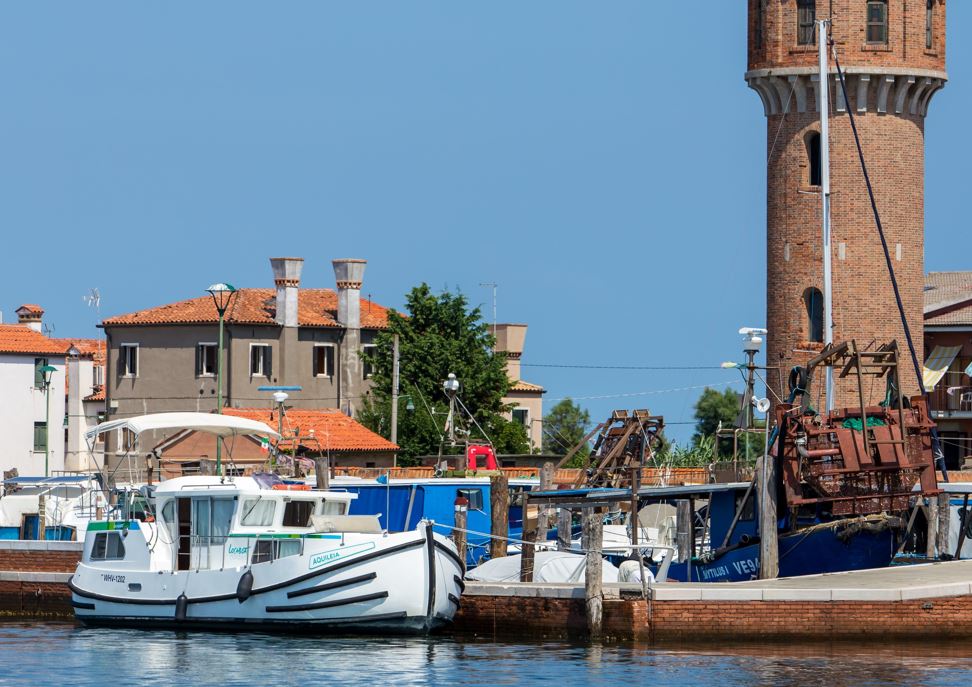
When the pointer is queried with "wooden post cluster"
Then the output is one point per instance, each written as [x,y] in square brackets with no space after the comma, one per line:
[769,548]
[564,522]
[499,507]
[528,547]
[459,532]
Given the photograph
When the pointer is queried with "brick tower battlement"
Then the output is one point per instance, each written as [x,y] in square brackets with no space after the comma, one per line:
[893,55]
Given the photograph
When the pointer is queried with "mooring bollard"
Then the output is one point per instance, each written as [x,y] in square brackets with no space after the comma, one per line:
[499,507]
[591,541]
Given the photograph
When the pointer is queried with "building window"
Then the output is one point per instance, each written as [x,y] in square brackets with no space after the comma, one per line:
[877,22]
[368,352]
[39,364]
[97,375]
[323,360]
[929,23]
[40,436]
[521,416]
[815,176]
[206,360]
[760,26]
[261,360]
[806,18]
[813,300]
[128,360]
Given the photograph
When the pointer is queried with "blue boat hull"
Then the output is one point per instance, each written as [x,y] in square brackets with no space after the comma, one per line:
[817,551]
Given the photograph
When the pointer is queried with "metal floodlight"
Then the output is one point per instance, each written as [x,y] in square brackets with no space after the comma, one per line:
[761,404]
[222,293]
[451,385]
[729,365]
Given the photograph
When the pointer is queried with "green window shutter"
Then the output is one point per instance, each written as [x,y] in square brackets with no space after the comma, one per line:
[40,436]
[38,372]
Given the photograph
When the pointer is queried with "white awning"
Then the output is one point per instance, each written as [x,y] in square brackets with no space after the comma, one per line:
[936,365]
[220,425]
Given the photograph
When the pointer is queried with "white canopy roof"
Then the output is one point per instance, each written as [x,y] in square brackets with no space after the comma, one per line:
[220,425]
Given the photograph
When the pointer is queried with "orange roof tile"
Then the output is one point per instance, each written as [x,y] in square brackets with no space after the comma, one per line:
[18,338]
[31,308]
[520,385]
[98,395]
[315,308]
[321,429]
[95,348]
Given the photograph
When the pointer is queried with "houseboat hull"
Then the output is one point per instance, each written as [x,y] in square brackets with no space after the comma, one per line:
[403,583]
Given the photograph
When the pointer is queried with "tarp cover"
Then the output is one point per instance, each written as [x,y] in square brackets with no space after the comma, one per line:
[220,425]
[937,364]
[548,566]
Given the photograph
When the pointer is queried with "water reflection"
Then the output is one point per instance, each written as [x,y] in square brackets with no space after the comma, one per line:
[60,653]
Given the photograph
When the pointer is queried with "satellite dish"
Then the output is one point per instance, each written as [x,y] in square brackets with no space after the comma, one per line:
[761,404]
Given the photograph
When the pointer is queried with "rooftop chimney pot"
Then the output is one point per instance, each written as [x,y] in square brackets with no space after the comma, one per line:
[30,315]
[286,277]
[349,275]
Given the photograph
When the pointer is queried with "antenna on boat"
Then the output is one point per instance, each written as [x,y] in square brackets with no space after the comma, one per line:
[824,90]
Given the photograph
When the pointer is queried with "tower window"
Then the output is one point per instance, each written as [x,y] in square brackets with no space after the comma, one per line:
[813,157]
[760,23]
[877,22]
[929,19]
[813,300]
[806,16]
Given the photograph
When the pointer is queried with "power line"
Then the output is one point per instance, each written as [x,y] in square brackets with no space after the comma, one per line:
[647,393]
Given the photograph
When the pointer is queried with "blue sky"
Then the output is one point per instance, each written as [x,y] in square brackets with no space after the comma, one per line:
[602,162]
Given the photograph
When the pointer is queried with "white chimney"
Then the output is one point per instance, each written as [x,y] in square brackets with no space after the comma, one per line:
[349,274]
[30,315]
[286,277]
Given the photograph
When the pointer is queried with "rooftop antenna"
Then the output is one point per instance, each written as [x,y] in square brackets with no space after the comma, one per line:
[492,285]
[93,300]
[48,329]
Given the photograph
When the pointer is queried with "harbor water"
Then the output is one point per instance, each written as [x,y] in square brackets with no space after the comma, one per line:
[59,653]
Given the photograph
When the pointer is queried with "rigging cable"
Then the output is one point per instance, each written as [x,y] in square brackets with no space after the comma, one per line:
[936,443]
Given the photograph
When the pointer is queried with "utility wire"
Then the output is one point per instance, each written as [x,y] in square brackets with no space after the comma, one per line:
[624,367]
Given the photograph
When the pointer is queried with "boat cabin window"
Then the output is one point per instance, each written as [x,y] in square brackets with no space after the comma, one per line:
[257,512]
[107,546]
[749,508]
[298,513]
[267,550]
[334,507]
[474,496]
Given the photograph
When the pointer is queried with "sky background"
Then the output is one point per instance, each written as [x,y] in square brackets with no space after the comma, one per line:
[604,163]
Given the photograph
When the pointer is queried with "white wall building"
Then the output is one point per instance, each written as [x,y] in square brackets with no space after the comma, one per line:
[26,402]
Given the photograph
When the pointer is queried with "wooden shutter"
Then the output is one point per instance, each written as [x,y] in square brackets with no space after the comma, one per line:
[268,361]
[317,361]
[199,360]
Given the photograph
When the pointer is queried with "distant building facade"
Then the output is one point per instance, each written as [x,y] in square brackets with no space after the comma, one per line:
[31,416]
[525,397]
[165,358]
[948,345]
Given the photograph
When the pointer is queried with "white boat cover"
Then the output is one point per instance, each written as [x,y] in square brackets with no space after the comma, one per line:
[220,425]
[548,566]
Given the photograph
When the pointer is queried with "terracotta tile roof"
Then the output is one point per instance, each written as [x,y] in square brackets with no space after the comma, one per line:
[520,385]
[98,395]
[18,338]
[315,308]
[320,429]
[31,308]
[948,298]
[88,347]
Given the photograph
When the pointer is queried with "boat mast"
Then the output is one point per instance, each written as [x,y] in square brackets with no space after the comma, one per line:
[824,91]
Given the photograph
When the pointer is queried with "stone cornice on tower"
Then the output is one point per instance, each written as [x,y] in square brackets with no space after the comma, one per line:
[873,89]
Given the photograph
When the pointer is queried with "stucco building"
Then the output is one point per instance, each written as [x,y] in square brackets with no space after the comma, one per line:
[525,397]
[893,55]
[165,358]
[31,414]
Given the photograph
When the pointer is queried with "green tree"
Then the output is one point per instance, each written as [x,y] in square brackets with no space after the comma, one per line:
[440,334]
[722,407]
[564,427]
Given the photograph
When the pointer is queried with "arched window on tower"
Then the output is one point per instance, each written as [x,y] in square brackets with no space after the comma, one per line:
[813,159]
[877,22]
[813,300]
[806,16]
[929,19]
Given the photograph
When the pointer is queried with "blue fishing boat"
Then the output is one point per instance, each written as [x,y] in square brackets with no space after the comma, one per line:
[402,503]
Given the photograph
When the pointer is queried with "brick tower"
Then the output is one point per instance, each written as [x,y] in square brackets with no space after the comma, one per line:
[893,55]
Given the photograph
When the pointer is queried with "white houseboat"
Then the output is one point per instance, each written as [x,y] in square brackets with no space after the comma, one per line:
[256,552]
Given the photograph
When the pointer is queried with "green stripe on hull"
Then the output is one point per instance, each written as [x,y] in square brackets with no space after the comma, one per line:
[113,525]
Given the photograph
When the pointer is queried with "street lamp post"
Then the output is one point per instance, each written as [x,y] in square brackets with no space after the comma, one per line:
[48,372]
[222,294]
